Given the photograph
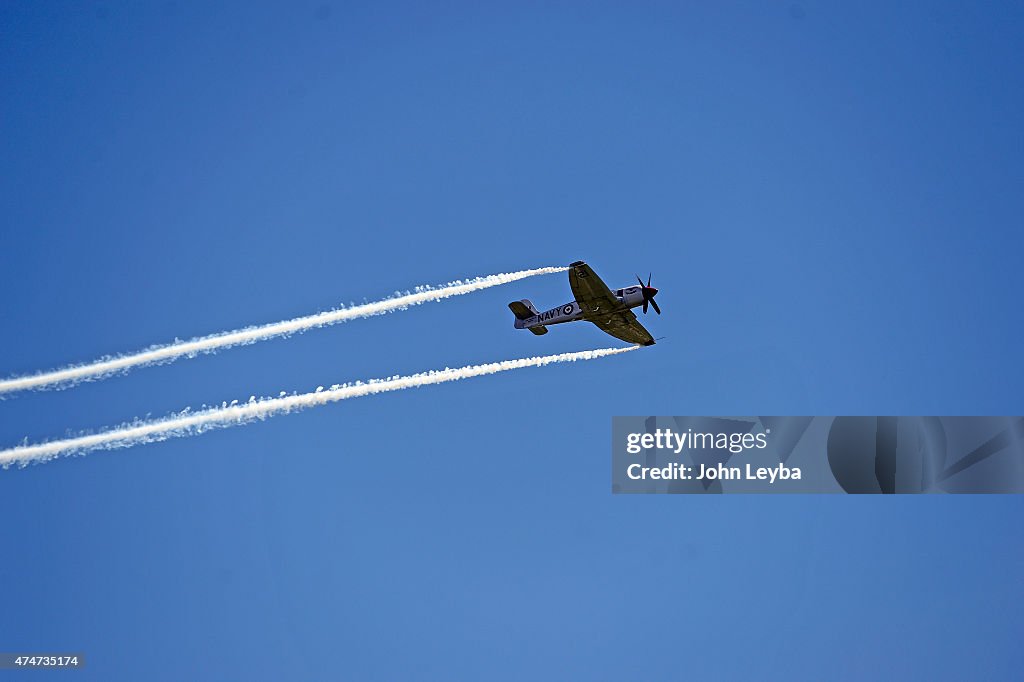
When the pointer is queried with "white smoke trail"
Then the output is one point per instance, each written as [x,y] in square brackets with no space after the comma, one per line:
[106,366]
[187,423]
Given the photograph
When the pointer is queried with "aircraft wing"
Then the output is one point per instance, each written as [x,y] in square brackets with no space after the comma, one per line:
[602,308]
[591,293]
[624,325]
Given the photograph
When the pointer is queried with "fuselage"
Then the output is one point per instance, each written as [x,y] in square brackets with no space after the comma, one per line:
[628,297]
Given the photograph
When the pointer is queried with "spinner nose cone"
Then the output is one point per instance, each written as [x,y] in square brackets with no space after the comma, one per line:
[651,291]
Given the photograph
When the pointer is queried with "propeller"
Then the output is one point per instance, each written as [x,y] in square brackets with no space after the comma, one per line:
[649,293]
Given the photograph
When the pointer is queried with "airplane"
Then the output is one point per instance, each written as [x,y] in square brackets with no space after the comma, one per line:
[595,302]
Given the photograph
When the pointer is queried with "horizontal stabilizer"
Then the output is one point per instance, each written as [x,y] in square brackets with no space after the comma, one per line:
[523,309]
[539,330]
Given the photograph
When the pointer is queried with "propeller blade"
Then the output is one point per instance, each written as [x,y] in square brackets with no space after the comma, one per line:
[656,308]
[645,306]
[648,280]
[640,280]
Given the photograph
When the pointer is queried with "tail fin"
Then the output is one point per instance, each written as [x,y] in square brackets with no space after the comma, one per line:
[523,309]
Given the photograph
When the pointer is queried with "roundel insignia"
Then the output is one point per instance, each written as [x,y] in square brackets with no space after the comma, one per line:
[567,310]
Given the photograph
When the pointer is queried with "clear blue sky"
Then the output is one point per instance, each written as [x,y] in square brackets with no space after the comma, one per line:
[829,197]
